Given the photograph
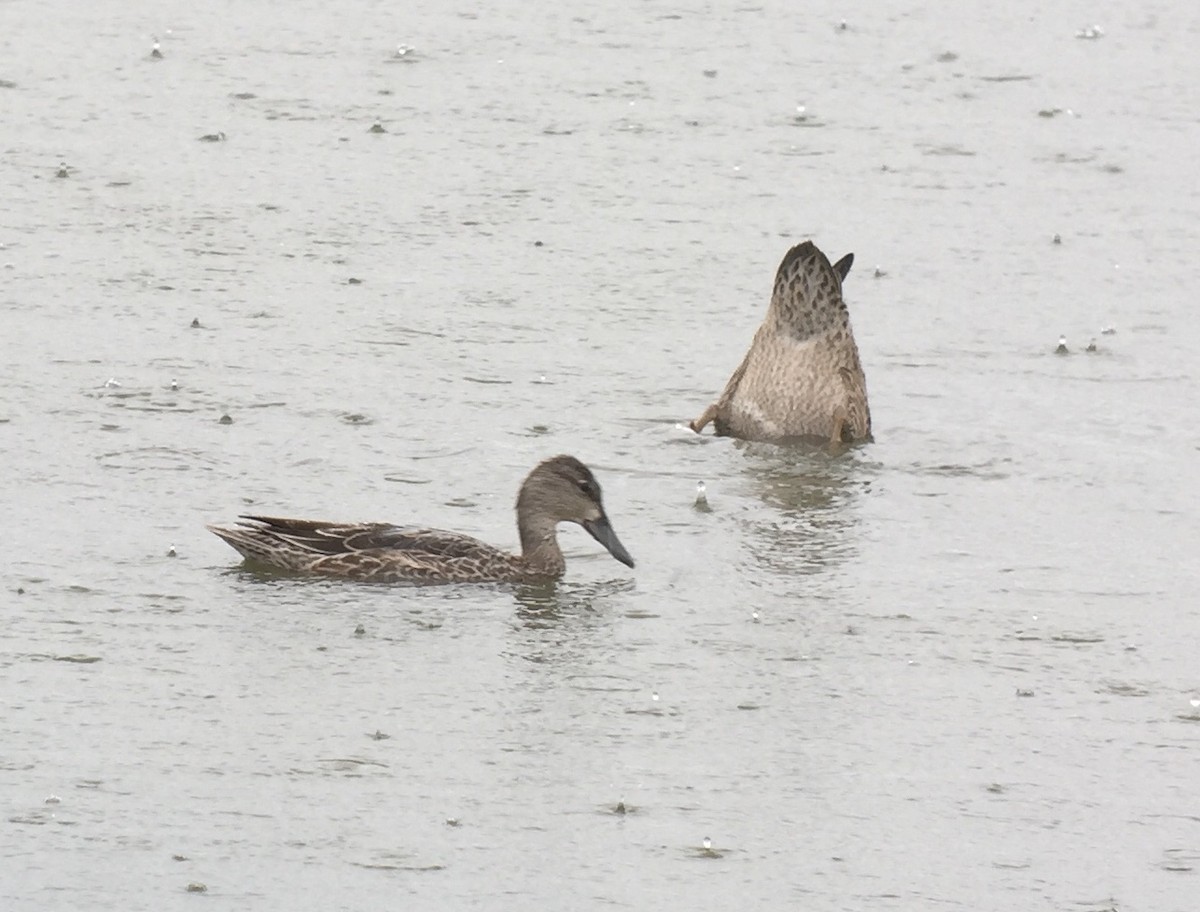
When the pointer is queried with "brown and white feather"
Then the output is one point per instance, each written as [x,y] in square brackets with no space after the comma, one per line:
[802,376]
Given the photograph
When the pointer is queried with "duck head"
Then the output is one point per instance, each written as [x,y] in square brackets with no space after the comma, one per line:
[563,489]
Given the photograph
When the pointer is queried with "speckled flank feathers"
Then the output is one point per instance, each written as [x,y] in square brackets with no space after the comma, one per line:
[802,377]
[561,489]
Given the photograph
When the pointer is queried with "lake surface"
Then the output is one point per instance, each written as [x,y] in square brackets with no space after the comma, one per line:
[952,669]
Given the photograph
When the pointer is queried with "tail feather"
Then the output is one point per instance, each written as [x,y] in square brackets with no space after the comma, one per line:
[258,544]
[807,298]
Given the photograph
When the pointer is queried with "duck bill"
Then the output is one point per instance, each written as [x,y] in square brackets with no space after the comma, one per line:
[601,530]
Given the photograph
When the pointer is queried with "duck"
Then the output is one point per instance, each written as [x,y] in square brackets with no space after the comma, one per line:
[559,489]
[802,378]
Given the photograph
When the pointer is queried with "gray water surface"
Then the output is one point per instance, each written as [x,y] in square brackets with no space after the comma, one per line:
[953,669]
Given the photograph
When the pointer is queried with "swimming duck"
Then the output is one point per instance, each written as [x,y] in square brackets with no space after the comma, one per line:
[561,489]
[802,377]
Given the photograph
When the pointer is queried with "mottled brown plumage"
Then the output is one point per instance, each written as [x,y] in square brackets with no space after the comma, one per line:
[802,377]
[561,489]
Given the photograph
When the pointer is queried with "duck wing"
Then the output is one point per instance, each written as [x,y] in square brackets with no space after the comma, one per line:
[379,552]
[322,538]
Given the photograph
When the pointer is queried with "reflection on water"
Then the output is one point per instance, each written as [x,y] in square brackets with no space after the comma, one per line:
[564,623]
[546,602]
[812,520]
[566,637]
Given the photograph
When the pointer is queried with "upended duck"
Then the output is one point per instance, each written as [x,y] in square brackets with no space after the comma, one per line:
[801,378]
[561,489]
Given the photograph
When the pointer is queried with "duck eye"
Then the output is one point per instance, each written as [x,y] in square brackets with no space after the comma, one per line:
[585,486]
